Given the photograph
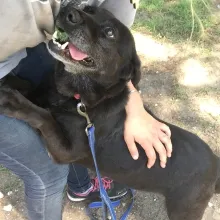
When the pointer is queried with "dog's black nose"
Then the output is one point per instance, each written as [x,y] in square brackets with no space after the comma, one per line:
[74,17]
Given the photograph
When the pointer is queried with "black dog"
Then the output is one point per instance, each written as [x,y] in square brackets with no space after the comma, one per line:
[96,66]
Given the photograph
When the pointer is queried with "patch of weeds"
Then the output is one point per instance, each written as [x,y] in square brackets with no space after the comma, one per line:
[12,185]
[151,5]
[179,92]
[176,20]
[3,169]
[10,181]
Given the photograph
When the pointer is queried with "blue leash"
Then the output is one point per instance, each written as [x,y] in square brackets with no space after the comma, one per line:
[103,194]
[106,202]
[95,205]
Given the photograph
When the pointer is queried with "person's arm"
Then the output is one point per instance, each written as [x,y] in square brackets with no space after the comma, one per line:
[33,19]
[11,62]
[142,128]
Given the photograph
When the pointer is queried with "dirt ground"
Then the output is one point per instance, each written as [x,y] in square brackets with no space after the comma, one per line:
[181,84]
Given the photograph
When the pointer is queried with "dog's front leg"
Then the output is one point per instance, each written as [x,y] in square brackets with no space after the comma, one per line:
[13,104]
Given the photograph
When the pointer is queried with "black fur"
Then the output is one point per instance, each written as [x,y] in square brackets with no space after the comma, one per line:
[191,176]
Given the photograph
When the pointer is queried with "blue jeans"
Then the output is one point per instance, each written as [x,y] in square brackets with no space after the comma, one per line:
[22,151]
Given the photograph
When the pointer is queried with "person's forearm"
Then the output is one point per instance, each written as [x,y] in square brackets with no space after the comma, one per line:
[142,128]
[135,102]
[130,86]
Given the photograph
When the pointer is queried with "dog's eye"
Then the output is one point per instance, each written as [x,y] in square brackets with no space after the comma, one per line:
[109,32]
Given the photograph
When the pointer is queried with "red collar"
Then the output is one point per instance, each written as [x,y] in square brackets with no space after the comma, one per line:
[77,96]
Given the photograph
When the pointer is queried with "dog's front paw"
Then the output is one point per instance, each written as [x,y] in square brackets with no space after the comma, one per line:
[10,101]
[14,104]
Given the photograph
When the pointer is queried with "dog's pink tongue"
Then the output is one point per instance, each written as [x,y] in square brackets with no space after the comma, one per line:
[76,54]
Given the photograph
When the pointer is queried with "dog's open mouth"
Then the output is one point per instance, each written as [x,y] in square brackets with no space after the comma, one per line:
[68,50]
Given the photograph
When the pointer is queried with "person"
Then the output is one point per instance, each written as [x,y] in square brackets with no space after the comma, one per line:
[23,53]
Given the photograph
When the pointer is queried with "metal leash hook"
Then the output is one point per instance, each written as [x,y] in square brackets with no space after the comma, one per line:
[81,109]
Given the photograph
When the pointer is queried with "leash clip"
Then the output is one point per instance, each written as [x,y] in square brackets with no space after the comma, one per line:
[81,109]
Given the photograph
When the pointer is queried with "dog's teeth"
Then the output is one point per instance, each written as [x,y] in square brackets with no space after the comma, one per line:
[54,35]
[57,43]
[64,45]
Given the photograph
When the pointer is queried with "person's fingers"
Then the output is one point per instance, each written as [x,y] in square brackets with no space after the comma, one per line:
[161,150]
[132,147]
[167,143]
[150,152]
[165,129]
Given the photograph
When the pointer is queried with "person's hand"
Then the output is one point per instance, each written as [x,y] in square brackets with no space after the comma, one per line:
[142,128]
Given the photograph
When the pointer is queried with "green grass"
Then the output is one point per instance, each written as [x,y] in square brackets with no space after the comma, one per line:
[62,36]
[179,92]
[3,169]
[176,20]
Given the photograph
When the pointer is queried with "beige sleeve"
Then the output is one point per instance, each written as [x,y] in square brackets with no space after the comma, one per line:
[23,23]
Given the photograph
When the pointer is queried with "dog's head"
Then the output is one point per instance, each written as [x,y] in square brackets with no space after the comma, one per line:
[94,46]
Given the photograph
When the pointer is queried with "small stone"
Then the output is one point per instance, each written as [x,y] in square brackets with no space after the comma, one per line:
[218,6]
[7,208]
[156,104]
[9,193]
[109,217]
[155,199]
[210,204]
[1,195]
[123,204]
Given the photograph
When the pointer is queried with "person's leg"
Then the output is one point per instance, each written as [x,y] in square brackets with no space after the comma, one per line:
[22,151]
[81,187]
[79,183]
[36,68]
[78,178]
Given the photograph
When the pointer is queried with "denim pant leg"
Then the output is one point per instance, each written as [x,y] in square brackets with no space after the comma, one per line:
[36,67]
[23,152]
[78,178]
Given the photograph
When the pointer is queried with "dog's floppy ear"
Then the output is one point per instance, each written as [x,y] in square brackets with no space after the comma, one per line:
[132,69]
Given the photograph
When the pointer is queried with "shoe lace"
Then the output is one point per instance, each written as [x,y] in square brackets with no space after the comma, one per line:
[105,181]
